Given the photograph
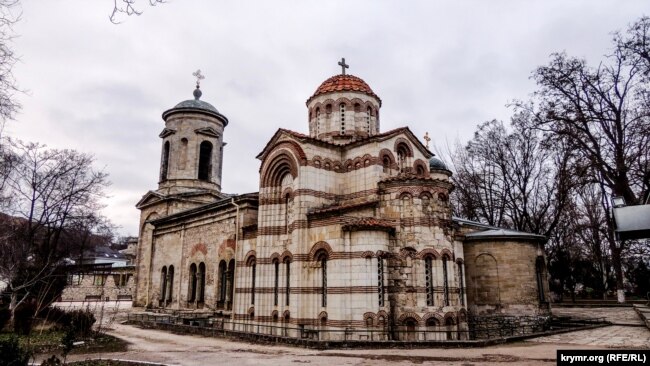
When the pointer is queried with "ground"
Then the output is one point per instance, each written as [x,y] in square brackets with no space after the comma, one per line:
[172,349]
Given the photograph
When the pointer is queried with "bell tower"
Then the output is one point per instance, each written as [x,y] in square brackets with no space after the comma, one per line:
[192,146]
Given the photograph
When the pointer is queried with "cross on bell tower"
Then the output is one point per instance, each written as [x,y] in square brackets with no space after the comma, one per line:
[343,65]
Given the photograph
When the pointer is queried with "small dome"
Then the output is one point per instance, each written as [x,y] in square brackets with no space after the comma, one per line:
[436,164]
[196,105]
[343,83]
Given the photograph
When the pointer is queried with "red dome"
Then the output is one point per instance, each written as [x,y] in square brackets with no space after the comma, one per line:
[343,83]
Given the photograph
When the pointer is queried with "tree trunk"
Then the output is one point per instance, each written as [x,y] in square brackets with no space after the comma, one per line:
[12,309]
[618,270]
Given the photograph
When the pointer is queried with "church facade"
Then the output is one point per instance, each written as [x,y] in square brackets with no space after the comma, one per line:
[351,229]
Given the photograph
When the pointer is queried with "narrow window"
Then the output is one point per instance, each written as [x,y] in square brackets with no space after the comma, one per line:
[222,284]
[229,284]
[163,283]
[539,271]
[461,284]
[276,265]
[165,162]
[445,279]
[368,120]
[170,283]
[253,273]
[205,160]
[380,281]
[322,258]
[201,285]
[386,164]
[287,262]
[342,110]
[192,290]
[317,121]
[428,276]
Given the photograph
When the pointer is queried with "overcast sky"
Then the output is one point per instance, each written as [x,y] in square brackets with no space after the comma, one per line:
[441,67]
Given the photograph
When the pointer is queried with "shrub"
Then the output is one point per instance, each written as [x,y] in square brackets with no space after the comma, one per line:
[12,353]
[5,315]
[81,322]
[24,318]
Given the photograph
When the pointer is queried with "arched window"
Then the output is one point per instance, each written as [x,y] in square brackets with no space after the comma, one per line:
[381,291]
[428,278]
[321,257]
[192,290]
[432,322]
[163,283]
[445,279]
[170,283]
[287,263]
[368,114]
[276,283]
[342,113]
[386,164]
[253,264]
[449,323]
[402,154]
[229,283]
[419,170]
[201,283]
[317,121]
[222,283]
[164,166]
[205,160]
[539,274]
[425,199]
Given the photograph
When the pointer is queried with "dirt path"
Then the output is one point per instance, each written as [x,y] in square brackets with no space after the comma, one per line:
[158,346]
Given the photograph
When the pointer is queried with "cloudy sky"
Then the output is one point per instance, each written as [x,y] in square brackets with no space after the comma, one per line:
[441,67]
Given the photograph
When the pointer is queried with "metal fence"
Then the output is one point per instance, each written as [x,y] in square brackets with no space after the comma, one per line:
[478,328]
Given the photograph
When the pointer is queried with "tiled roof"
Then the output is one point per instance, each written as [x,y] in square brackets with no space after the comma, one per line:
[338,208]
[369,222]
[341,83]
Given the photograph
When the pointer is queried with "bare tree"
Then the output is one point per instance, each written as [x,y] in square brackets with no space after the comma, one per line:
[49,188]
[603,114]
[512,179]
[128,8]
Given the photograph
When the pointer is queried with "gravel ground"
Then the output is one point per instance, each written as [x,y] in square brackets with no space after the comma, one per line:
[172,349]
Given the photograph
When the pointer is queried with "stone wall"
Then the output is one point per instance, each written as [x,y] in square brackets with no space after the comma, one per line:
[501,277]
[100,286]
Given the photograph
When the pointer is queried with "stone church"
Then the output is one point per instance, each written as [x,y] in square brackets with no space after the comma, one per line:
[351,229]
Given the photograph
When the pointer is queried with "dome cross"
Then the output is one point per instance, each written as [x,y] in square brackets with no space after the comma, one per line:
[343,65]
[427,139]
[197,74]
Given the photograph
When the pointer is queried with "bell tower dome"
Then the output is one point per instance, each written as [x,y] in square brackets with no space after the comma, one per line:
[192,146]
[343,108]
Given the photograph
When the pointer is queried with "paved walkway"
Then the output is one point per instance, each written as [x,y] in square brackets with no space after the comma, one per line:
[616,315]
[163,347]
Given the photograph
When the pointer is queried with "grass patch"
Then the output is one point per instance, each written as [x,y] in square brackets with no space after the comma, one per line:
[100,344]
[49,341]
[38,342]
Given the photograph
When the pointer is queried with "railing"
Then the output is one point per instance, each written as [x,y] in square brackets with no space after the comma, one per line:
[479,328]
